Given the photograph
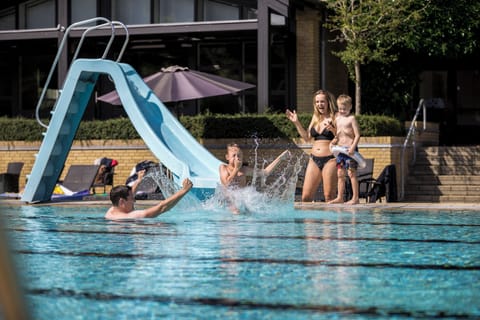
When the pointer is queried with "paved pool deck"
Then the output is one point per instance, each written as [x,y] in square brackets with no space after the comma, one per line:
[297,205]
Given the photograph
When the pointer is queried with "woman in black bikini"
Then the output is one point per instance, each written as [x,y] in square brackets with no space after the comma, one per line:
[321,165]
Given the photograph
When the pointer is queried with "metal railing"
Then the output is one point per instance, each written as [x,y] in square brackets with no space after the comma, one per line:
[105,23]
[411,136]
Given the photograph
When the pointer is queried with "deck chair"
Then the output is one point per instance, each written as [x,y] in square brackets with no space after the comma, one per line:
[384,186]
[365,178]
[9,181]
[80,177]
[105,174]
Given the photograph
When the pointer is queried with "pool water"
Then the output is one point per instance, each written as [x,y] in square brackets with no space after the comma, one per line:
[282,264]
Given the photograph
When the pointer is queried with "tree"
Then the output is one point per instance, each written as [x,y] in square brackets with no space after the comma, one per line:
[448,28]
[369,30]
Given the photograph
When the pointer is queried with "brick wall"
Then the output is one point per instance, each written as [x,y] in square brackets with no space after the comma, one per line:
[308,58]
[309,61]
[385,151]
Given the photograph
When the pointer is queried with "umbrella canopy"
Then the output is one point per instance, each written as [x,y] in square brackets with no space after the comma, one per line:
[176,83]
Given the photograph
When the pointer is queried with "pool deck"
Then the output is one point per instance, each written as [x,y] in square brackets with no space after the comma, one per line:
[298,205]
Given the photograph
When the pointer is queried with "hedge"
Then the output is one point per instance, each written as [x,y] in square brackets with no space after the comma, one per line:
[209,126]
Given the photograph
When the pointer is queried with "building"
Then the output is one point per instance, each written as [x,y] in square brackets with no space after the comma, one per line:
[278,45]
[248,40]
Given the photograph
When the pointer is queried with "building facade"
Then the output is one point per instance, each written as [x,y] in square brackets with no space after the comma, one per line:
[246,40]
[278,45]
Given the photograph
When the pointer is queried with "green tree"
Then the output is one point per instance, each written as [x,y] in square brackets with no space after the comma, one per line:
[369,29]
[448,28]
[377,32]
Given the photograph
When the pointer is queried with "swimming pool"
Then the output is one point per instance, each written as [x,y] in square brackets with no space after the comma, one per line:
[284,264]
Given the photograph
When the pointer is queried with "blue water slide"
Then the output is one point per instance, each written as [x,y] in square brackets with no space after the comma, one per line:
[168,140]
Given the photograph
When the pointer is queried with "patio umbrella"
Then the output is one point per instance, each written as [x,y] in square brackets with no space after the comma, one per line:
[175,83]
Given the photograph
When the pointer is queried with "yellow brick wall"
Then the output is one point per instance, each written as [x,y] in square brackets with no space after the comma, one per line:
[309,61]
[385,151]
[308,58]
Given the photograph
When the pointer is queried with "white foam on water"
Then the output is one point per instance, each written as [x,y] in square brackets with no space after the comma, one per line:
[263,194]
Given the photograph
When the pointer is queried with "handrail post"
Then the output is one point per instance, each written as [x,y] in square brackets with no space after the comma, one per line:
[125,43]
[411,133]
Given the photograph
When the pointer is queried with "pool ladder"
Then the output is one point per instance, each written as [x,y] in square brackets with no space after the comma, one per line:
[105,23]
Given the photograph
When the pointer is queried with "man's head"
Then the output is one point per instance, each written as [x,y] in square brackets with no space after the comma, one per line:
[122,196]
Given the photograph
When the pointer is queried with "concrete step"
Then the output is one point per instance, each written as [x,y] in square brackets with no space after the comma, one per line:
[472,151]
[441,161]
[444,180]
[466,190]
[444,174]
[441,198]
[445,170]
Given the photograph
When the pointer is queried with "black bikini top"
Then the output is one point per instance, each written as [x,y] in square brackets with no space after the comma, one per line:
[325,135]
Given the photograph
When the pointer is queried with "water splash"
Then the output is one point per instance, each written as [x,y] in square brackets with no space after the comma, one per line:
[161,178]
[263,194]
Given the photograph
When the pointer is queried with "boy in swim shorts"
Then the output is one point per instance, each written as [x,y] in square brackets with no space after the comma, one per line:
[348,135]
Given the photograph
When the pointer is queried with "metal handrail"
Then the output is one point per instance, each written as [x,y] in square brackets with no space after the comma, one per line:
[125,43]
[55,61]
[109,44]
[411,135]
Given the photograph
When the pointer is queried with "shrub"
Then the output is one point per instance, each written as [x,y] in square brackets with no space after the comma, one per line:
[210,126]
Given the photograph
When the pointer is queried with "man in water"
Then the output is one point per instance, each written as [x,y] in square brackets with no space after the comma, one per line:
[123,201]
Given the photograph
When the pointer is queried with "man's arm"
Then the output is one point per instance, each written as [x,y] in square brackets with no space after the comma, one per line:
[164,205]
[140,175]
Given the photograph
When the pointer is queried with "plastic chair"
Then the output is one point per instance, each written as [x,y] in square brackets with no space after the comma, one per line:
[9,181]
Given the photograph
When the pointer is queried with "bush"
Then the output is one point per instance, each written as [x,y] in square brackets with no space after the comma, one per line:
[209,126]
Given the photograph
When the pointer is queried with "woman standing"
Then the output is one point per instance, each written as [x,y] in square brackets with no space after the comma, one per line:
[321,131]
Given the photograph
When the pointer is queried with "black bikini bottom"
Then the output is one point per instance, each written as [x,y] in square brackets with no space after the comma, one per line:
[320,161]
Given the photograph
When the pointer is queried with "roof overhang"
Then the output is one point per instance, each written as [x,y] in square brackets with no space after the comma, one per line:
[147,29]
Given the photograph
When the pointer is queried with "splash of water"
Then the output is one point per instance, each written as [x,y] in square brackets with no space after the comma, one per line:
[264,194]
[161,178]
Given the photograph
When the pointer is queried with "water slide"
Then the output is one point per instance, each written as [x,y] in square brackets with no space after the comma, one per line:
[168,140]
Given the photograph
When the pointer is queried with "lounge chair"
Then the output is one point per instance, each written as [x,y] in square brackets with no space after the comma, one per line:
[80,177]
[9,181]
[384,186]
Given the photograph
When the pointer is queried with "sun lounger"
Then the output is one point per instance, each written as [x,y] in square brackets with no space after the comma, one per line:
[9,181]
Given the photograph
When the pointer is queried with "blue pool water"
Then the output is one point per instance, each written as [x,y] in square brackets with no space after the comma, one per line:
[281,264]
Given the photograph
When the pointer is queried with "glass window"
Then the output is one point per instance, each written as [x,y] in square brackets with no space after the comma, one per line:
[40,14]
[83,10]
[7,19]
[131,12]
[175,11]
[216,10]
[277,20]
